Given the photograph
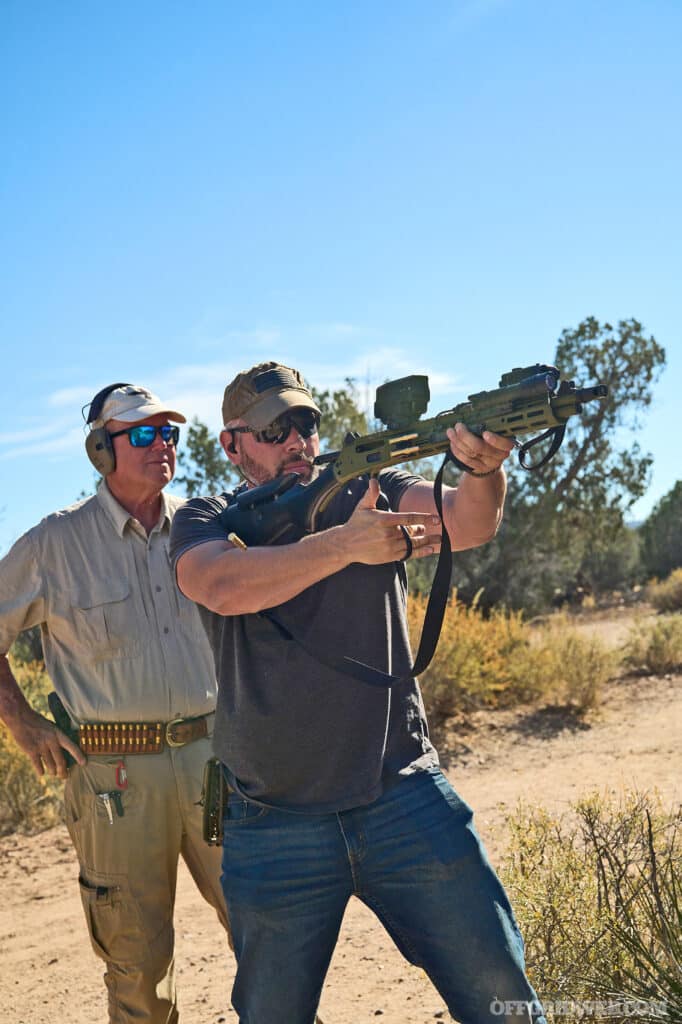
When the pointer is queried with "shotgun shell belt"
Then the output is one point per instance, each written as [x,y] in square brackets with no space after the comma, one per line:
[139,737]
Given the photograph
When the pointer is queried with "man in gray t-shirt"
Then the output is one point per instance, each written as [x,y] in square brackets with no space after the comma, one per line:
[334,785]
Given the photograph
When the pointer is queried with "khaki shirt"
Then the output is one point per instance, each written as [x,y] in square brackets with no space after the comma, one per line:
[121,642]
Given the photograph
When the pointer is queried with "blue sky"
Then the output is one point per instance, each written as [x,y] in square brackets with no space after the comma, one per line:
[366,189]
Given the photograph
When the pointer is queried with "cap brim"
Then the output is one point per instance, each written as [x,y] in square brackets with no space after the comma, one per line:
[143,412]
[262,413]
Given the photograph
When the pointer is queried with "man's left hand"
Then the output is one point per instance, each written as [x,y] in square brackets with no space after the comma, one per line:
[483,454]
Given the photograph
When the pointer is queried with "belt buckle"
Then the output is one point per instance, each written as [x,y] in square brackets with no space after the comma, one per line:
[169,739]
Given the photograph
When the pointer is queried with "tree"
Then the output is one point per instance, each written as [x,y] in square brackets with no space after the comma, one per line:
[341,413]
[661,535]
[206,468]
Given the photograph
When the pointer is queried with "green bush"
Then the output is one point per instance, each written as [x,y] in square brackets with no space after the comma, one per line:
[654,647]
[597,895]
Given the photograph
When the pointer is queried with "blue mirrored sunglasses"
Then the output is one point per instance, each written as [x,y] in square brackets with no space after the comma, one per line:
[145,434]
[306,422]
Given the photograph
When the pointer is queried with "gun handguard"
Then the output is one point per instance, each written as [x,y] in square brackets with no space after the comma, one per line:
[528,400]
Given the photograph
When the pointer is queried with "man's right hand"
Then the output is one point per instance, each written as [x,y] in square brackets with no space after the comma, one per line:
[44,743]
[375,537]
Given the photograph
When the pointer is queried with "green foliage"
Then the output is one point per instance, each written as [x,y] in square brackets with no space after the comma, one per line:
[613,563]
[597,895]
[661,535]
[341,413]
[206,468]
[28,646]
[667,595]
[27,802]
[655,647]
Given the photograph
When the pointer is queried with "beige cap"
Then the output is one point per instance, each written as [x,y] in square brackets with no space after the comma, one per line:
[132,403]
[259,395]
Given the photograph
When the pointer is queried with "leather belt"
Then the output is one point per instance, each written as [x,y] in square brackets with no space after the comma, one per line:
[140,737]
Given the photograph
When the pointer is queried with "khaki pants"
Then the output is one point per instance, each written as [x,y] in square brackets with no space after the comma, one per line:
[128,869]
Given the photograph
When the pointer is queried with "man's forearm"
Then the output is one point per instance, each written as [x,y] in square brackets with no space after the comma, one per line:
[13,704]
[236,582]
[473,511]
[233,582]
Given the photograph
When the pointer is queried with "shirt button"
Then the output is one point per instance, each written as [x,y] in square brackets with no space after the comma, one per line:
[165,629]
[158,589]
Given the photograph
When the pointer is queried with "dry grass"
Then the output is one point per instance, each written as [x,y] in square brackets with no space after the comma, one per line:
[597,894]
[655,647]
[498,661]
[27,803]
[667,595]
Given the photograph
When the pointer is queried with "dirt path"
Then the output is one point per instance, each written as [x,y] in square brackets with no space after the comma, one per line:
[48,972]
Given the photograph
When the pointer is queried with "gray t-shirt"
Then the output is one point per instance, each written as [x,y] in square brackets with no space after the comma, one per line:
[292,732]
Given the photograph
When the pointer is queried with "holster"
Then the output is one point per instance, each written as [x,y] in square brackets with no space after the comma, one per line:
[214,793]
[63,723]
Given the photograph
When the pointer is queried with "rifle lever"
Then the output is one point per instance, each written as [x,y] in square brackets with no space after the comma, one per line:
[557,435]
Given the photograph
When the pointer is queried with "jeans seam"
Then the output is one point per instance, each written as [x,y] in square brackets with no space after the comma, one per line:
[351,858]
[383,915]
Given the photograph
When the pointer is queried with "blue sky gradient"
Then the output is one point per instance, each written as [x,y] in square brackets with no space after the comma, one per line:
[364,189]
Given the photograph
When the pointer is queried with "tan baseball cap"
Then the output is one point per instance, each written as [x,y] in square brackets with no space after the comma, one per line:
[132,403]
[259,395]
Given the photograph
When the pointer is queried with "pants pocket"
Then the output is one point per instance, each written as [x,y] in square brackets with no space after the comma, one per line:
[114,922]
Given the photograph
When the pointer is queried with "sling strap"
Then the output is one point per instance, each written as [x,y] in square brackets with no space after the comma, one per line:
[433,618]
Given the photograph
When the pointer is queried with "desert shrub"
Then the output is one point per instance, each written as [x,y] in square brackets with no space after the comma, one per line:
[597,895]
[572,668]
[666,596]
[27,802]
[469,667]
[654,647]
[497,660]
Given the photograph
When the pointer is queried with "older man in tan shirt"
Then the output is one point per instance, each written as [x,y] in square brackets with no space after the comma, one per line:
[127,654]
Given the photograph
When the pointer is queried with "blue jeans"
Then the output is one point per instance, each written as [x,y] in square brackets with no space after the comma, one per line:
[414,858]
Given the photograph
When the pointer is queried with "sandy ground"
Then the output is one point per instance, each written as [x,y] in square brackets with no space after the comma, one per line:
[48,972]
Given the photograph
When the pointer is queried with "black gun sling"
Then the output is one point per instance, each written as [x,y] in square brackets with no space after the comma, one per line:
[433,619]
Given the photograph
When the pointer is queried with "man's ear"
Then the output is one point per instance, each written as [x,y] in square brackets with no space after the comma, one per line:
[229,447]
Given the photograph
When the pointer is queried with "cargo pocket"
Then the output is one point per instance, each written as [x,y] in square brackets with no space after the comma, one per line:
[114,922]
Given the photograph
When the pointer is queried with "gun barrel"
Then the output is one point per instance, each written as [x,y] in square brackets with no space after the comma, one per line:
[590,393]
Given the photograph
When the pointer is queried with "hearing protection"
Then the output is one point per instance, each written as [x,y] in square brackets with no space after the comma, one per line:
[98,444]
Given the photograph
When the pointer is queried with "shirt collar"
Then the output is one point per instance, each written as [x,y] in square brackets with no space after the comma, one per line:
[120,517]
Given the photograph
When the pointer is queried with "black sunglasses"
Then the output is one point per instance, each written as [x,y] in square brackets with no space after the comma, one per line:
[145,434]
[304,421]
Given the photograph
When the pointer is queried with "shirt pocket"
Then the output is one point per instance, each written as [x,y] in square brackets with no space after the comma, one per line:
[106,618]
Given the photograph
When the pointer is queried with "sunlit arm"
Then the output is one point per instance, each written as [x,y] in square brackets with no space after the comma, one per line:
[473,510]
[230,581]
